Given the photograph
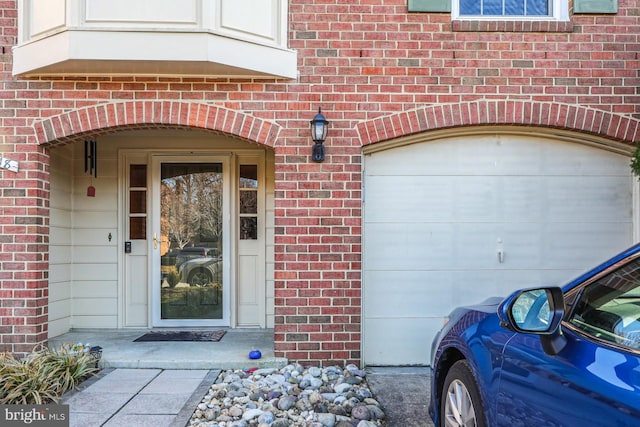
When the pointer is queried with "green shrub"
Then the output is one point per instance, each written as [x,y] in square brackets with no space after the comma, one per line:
[635,161]
[173,277]
[43,376]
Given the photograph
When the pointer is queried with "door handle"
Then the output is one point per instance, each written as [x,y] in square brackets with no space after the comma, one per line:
[156,241]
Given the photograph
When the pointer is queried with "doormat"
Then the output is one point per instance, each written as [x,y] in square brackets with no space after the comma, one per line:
[181,336]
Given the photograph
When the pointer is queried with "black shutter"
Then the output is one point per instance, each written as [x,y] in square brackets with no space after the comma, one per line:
[430,5]
[595,6]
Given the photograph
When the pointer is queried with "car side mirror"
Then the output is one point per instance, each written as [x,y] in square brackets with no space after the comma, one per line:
[536,311]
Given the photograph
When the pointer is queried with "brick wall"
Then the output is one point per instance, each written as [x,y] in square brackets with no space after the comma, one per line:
[378,73]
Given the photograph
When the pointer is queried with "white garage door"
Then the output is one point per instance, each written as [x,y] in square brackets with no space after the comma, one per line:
[453,221]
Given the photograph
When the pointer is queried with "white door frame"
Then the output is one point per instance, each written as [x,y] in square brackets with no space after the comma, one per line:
[154,259]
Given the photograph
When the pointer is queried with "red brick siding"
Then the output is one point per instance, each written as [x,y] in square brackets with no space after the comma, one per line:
[378,73]
[501,112]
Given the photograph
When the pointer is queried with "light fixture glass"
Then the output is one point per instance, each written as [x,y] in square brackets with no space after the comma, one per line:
[319,128]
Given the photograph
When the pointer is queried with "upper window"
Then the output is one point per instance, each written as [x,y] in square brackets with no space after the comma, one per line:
[505,7]
[510,9]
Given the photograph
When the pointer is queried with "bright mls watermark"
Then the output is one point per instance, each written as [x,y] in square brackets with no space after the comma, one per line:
[34,415]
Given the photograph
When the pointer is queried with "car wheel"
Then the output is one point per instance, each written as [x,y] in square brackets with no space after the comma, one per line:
[461,405]
[199,277]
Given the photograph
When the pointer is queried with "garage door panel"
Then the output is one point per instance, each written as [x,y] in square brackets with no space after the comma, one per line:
[394,336]
[522,246]
[588,198]
[496,155]
[532,156]
[431,246]
[418,294]
[518,157]
[476,246]
[416,199]
[475,199]
[473,156]
[403,293]
[474,286]
[519,197]
[583,244]
[408,198]
[438,157]
[574,159]
[407,246]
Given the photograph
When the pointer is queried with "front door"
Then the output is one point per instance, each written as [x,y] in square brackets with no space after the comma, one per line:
[190,241]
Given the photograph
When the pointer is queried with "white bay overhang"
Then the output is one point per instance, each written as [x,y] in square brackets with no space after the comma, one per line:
[234,38]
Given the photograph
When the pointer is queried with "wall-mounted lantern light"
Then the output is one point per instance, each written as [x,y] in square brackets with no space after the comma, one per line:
[319,127]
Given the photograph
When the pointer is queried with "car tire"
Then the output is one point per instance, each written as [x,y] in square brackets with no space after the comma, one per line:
[199,277]
[461,404]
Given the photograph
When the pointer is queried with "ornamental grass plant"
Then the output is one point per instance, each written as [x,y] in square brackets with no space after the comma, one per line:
[44,375]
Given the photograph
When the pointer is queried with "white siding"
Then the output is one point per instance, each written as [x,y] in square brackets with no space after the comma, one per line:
[95,263]
[60,241]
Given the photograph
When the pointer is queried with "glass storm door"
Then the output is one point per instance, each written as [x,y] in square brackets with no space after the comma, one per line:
[189,242]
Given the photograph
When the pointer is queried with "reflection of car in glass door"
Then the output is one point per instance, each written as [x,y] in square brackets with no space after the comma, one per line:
[196,266]
[189,253]
[206,271]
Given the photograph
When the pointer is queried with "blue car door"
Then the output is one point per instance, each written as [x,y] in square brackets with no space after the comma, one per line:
[595,379]
[584,385]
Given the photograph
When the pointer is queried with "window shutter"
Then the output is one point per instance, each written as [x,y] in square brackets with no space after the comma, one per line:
[430,5]
[595,6]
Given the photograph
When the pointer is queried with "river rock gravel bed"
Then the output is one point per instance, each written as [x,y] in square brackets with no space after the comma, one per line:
[293,396]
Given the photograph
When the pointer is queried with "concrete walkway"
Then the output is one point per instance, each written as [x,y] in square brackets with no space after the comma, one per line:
[138,397]
[126,397]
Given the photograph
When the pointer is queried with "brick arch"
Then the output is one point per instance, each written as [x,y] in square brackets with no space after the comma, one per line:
[501,112]
[108,118]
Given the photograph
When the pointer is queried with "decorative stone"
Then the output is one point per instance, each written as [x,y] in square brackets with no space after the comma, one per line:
[376,412]
[315,372]
[251,414]
[304,404]
[235,411]
[315,397]
[327,420]
[266,418]
[342,387]
[361,412]
[274,394]
[288,397]
[286,403]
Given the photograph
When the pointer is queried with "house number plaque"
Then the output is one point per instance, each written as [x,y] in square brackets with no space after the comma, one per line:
[11,165]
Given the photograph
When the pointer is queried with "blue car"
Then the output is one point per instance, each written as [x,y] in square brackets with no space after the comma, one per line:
[545,357]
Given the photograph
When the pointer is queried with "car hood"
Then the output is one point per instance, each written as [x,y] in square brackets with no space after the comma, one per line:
[487,306]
